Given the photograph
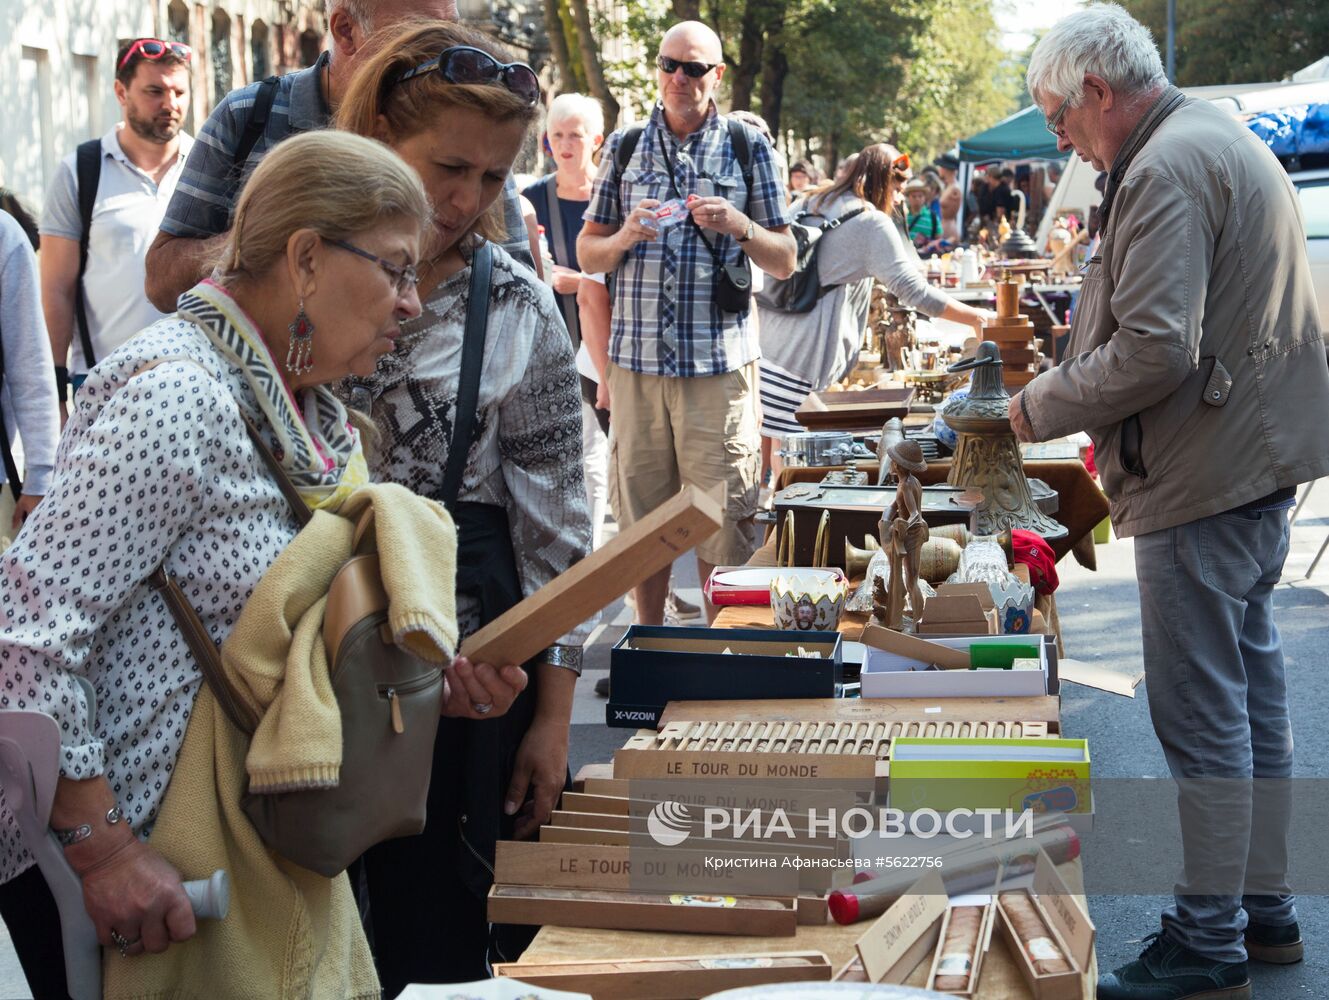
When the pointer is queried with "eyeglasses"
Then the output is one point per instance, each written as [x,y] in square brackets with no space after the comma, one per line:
[696,70]
[1054,123]
[465,64]
[404,277]
[154,49]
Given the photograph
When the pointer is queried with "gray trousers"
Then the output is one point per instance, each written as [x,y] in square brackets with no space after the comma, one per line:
[1218,699]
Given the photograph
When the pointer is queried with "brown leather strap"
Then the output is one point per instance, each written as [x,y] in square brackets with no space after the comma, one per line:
[204,650]
[187,619]
[297,503]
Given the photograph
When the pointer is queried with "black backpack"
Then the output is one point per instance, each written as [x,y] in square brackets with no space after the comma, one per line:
[803,289]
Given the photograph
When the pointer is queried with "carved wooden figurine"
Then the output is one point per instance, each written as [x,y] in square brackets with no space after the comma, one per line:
[903,532]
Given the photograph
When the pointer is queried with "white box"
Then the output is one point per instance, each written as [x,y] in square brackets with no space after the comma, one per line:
[890,675]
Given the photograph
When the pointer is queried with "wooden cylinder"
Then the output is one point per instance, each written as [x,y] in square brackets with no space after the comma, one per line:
[1008,298]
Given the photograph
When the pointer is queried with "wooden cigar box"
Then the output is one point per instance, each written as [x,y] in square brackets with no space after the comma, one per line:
[695,913]
[671,978]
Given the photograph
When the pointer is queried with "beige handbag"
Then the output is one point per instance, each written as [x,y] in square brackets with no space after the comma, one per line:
[389,701]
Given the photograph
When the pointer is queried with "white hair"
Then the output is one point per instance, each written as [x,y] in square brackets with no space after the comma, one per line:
[1103,39]
[359,11]
[586,110]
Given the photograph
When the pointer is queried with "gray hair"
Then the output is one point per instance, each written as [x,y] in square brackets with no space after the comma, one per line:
[360,11]
[1102,39]
[586,110]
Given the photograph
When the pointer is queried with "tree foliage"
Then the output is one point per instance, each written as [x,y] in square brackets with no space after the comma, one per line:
[1234,41]
[831,76]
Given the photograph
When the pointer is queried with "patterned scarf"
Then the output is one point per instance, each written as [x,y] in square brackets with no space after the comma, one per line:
[318,447]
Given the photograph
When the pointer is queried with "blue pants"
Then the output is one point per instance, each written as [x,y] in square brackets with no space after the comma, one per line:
[1218,698]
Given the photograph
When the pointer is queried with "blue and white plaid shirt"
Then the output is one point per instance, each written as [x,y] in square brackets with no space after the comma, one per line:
[208,189]
[666,321]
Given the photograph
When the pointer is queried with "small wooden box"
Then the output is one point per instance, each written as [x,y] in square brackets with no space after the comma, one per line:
[671,978]
[1071,929]
[980,949]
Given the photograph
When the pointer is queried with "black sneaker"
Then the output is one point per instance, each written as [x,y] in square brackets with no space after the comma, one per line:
[1167,971]
[1275,945]
[602,686]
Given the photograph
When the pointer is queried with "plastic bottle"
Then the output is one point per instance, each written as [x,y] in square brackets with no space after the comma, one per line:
[546,259]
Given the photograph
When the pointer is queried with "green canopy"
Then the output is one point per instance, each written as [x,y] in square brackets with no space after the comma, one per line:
[1022,136]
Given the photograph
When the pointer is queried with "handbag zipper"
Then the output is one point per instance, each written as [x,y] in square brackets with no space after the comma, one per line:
[392,693]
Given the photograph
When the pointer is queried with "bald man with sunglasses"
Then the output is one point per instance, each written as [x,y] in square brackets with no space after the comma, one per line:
[683,350]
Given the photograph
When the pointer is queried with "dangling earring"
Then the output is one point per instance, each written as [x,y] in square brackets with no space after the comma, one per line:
[300,355]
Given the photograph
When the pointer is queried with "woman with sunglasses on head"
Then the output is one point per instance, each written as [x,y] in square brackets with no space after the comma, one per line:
[448,102]
[157,469]
[803,353]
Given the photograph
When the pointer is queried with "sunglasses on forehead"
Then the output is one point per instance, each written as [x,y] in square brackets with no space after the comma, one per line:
[467,65]
[154,49]
[696,70]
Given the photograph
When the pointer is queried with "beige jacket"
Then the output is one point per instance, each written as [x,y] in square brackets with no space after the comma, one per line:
[1196,361]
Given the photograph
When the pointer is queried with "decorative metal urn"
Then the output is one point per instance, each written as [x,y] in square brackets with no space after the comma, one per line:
[987,456]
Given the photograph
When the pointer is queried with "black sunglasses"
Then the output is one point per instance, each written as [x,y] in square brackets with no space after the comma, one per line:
[695,70]
[465,64]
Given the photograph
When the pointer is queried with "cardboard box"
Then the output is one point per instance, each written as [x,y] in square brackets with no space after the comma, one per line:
[1044,775]
[653,665]
[959,609]
[897,672]
[1071,929]
[670,978]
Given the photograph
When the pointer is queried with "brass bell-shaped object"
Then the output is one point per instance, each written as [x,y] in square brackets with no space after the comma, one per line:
[856,560]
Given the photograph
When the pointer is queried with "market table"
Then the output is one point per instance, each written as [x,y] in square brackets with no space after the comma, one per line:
[1082,504]
[1000,979]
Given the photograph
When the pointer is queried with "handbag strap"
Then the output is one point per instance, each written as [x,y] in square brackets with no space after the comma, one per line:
[468,388]
[561,248]
[191,626]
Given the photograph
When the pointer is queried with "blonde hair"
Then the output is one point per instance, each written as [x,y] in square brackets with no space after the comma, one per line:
[586,110]
[413,106]
[331,182]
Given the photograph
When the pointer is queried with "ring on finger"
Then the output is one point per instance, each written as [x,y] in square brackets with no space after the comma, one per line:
[122,943]
[482,708]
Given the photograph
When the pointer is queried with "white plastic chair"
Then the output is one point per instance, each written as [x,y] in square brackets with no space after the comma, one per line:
[29,772]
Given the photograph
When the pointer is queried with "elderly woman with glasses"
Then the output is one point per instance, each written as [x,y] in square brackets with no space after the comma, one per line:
[446,99]
[157,469]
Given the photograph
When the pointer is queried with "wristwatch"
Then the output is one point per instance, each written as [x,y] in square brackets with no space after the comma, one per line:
[747,233]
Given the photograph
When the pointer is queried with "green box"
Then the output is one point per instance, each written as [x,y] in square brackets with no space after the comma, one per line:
[999,655]
[990,774]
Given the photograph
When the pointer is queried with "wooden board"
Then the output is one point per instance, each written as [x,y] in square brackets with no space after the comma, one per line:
[600,771]
[610,805]
[616,787]
[744,915]
[824,411]
[671,978]
[551,834]
[1044,708]
[654,542]
[919,649]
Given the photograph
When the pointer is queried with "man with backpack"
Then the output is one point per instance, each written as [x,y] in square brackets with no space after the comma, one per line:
[679,209]
[251,120]
[103,209]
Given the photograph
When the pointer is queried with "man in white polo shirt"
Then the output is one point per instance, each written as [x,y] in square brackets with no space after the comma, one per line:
[134,171]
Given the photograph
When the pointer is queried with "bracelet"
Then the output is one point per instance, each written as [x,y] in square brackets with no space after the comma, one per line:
[83,831]
[567,657]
